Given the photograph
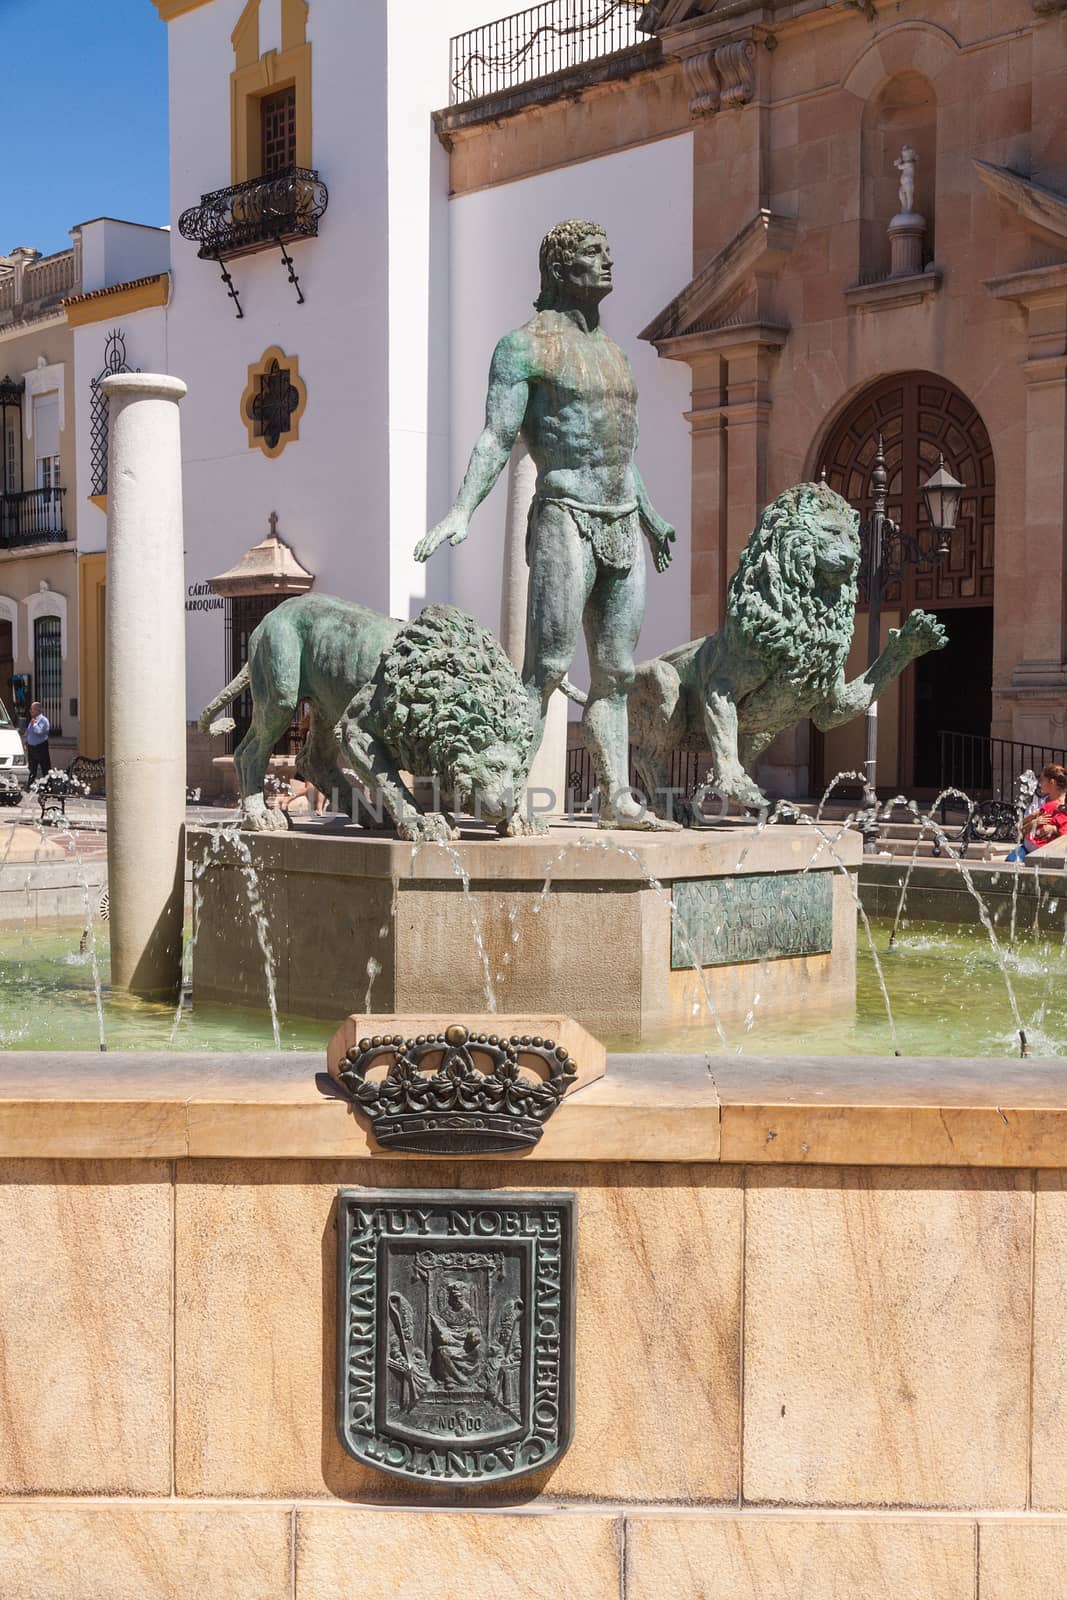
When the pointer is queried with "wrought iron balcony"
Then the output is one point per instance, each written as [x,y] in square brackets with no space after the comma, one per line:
[33,517]
[256,215]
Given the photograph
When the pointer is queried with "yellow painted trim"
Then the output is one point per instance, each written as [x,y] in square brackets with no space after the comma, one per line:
[245,36]
[169,9]
[248,85]
[294,24]
[120,302]
[255,371]
[255,75]
[92,589]
[100,501]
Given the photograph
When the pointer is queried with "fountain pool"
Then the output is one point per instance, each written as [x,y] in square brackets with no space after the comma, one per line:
[946,990]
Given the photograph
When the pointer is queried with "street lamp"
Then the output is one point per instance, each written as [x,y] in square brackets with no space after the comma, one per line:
[887,551]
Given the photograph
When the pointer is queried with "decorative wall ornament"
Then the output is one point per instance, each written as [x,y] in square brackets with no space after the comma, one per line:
[721,78]
[273,401]
[737,71]
[456,1320]
[100,412]
[703,82]
[457,1092]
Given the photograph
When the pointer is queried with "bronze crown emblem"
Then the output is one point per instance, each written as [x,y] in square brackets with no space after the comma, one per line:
[457,1092]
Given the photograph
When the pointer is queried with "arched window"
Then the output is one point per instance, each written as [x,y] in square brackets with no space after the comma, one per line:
[921,417]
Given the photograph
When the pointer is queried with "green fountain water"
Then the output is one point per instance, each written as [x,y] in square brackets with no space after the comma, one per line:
[945,985]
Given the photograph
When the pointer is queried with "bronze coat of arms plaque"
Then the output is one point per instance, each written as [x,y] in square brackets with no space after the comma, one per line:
[456,1331]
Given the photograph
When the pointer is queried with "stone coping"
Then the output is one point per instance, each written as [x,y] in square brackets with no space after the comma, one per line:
[656,1108]
[568,853]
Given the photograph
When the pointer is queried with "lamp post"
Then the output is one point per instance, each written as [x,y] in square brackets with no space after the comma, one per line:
[887,551]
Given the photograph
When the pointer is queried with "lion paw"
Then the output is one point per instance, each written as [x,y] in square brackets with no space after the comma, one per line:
[429,826]
[256,818]
[922,632]
[741,789]
[519,826]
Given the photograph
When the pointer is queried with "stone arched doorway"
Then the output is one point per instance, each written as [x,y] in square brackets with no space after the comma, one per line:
[920,416]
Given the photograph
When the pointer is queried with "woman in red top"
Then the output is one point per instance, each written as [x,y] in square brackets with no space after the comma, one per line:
[1048,821]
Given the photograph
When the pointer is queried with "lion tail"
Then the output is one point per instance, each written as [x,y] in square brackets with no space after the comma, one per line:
[579,697]
[223,698]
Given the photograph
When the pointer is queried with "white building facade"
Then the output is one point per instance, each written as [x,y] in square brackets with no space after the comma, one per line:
[347,401]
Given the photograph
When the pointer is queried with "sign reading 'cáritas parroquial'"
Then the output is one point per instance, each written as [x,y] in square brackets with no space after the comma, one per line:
[456,1322]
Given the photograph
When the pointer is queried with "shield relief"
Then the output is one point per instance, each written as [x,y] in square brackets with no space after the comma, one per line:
[456,1331]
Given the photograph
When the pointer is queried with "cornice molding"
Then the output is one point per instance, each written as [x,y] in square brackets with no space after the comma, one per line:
[1035,286]
[98,305]
[763,244]
[1034,203]
[728,339]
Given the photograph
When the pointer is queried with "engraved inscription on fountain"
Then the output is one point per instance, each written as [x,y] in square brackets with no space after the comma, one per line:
[766,916]
[457,1329]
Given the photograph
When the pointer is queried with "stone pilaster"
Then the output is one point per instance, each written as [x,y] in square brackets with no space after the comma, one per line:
[1038,681]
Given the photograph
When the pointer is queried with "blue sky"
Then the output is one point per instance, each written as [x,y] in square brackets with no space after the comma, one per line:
[85,114]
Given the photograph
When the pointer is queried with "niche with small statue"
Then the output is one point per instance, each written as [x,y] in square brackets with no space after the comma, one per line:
[898,199]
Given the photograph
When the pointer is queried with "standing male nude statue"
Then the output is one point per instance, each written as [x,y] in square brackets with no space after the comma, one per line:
[568,389]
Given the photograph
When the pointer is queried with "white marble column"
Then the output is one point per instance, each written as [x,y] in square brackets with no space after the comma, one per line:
[548,771]
[145,683]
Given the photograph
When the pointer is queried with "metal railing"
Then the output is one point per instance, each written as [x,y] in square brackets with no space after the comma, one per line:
[256,214]
[990,768]
[33,517]
[686,770]
[538,42]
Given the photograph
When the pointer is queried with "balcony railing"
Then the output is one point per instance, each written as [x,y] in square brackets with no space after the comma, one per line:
[533,44]
[254,215]
[33,517]
[257,214]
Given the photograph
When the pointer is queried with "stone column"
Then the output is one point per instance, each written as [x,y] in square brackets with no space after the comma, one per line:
[548,771]
[145,677]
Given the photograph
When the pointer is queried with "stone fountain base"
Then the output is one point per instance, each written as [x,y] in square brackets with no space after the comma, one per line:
[760,919]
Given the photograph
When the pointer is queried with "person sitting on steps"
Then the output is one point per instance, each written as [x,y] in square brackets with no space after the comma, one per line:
[1048,821]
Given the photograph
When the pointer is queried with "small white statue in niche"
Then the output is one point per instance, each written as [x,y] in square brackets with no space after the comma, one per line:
[905,164]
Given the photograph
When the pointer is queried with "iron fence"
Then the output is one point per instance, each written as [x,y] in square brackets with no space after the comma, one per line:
[685,773]
[35,516]
[990,768]
[538,42]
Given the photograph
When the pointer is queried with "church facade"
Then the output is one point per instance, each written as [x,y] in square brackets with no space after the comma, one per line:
[800,333]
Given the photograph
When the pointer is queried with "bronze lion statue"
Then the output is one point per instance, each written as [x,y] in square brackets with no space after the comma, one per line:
[436,698]
[780,655]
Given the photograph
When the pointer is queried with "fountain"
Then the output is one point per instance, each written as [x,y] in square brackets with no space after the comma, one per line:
[286,1290]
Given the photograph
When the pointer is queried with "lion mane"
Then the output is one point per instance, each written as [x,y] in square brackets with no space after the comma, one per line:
[446,691]
[775,601]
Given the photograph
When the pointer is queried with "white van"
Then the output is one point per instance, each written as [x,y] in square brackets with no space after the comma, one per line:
[13,763]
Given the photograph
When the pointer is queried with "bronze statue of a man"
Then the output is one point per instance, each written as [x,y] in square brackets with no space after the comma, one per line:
[568,389]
